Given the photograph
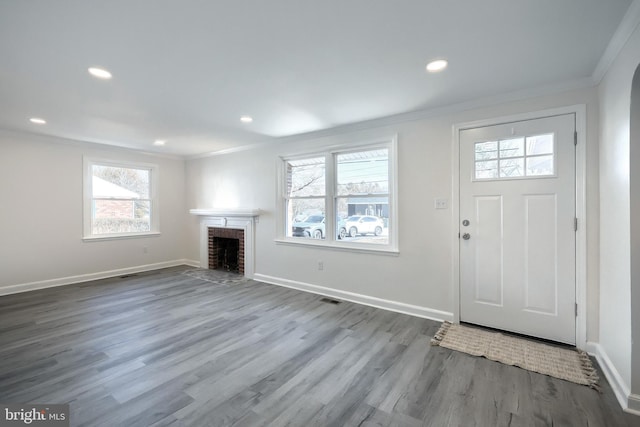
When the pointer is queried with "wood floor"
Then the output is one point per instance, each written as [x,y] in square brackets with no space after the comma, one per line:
[186,347]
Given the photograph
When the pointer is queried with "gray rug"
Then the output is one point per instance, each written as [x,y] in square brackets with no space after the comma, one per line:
[566,364]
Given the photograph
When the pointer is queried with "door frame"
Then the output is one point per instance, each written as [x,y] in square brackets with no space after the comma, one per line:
[580,111]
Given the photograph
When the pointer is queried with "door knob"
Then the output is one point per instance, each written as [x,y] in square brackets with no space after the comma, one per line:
[466,236]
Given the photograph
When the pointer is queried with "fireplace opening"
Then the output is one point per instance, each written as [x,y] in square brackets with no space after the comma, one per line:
[226,250]
[227,253]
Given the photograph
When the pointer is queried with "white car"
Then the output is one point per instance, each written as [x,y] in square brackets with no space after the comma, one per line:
[363,224]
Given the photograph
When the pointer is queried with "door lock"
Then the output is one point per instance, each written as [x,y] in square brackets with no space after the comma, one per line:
[465,223]
[466,236]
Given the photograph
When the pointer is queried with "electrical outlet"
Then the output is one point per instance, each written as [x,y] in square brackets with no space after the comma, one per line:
[320,265]
[441,203]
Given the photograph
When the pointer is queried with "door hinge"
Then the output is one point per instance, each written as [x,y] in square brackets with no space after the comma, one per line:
[575,137]
[575,224]
[576,309]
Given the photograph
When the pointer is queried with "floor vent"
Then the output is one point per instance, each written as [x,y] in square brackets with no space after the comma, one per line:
[330,301]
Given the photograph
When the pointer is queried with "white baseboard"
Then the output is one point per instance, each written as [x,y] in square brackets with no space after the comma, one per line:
[634,404]
[24,287]
[629,402]
[398,307]
[191,263]
[591,348]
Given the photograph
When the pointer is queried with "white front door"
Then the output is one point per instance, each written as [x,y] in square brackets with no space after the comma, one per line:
[517,235]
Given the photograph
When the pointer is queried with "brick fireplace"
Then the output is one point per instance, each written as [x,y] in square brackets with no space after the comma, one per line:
[226,249]
[227,239]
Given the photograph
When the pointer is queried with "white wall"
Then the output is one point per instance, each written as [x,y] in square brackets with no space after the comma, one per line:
[41,214]
[615,214]
[421,274]
[635,233]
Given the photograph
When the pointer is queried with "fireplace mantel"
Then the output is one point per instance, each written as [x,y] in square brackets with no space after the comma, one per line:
[226,212]
[239,218]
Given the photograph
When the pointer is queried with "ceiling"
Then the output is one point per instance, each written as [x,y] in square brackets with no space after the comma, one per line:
[186,71]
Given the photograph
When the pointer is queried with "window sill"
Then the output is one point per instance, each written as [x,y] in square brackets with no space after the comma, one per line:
[120,236]
[346,247]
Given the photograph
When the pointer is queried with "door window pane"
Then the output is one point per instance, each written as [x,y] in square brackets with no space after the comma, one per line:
[512,148]
[487,170]
[540,165]
[486,150]
[511,168]
[541,144]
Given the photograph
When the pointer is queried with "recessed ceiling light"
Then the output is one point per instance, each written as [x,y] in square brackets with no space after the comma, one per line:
[437,65]
[246,119]
[159,142]
[100,73]
[38,121]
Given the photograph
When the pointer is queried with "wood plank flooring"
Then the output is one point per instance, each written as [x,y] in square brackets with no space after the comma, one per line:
[185,347]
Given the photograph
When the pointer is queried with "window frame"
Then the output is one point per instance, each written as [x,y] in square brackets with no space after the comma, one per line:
[330,153]
[154,171]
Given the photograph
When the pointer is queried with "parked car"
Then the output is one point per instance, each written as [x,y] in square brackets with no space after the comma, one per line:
[341,227]
[313,226]
[363,224]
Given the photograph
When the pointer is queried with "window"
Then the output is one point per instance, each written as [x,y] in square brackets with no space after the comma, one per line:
[355,185]
[515,158]
[120,199]
[306,197]
[362,199]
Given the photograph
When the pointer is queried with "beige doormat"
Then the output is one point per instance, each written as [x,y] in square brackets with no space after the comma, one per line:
[566,364]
